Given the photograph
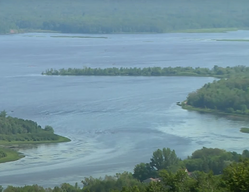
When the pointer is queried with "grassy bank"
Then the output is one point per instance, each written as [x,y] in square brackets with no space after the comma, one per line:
[8,148]
[84,37]
[60,140]
[20,31]
[213,111]
[244,130]
[11,155]
[240,40]
[16,132]
[207,30]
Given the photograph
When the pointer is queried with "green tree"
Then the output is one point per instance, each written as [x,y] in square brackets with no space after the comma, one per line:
[236,176]
[49,129]
[164,159]
[144,171]
[3,114]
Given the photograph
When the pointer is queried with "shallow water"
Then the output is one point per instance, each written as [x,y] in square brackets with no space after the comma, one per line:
[113,122]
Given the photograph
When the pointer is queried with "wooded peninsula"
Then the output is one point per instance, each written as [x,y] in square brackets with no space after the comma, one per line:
[16,131]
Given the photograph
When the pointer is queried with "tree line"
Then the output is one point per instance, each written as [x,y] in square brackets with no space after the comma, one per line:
[170,178]
[111,16]
[216,71]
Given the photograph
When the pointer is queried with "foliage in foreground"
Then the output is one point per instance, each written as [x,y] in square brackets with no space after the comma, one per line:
[205,160]
[234,179]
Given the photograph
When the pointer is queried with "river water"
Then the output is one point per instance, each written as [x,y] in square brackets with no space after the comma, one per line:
[113,122]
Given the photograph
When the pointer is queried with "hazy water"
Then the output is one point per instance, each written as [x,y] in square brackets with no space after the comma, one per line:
[113,122]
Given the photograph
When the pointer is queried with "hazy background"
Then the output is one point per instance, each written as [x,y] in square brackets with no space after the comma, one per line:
[126,16]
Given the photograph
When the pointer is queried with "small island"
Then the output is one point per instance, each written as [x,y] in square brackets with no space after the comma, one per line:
[244,130]
[216,71]
[15,131]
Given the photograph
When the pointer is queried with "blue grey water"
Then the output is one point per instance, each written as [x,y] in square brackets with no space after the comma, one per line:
[113,122]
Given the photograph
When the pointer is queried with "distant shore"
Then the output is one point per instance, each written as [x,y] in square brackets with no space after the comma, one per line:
[204,30]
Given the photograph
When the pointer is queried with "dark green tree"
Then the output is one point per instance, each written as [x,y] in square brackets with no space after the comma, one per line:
[236,176]
[164,159]
[144,171]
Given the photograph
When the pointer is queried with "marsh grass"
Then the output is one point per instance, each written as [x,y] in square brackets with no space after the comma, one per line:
[235,116]
[86,37]
[60,140]
[11,155]
[207,30]
[244,130]
[240,40]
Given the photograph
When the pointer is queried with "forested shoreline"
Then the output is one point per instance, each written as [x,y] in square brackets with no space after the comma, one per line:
[207,169]
[110,16]
[16,131]
[227,96]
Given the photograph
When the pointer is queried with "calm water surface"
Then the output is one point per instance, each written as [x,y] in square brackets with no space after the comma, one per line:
[113,122]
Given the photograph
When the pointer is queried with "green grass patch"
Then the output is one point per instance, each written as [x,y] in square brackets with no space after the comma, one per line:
[11,155]
[244,130]
[59,140]
[207,30]
[78,37]
[240,40]
[236,116]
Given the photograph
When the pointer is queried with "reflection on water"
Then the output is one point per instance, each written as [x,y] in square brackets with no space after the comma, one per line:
[113,122]
[29,147]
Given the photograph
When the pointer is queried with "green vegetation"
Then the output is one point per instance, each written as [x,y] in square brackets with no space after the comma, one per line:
[211,30]
[205,159]
[15,131]
[154,71]
[19,131]
[228,96]
[77,37]
[240,40]
[111,16]
[244,130]
[7,155]
[207,169]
